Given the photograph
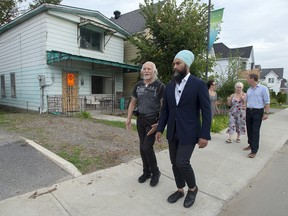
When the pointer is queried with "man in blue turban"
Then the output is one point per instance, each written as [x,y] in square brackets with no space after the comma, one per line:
[186,98]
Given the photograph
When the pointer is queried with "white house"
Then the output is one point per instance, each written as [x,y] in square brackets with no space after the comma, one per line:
[64,51]
[273,78]
[243,56]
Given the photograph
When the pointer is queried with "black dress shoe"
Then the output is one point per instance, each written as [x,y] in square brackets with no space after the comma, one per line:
[175,196]
[155,179]
[190,198]
[144,177]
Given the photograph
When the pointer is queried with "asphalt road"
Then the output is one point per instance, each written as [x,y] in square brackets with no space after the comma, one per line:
[24,169]
[267,194]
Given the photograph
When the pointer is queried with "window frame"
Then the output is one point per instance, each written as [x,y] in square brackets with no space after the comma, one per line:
[271,80]
[3,87]
[92,43]
[13,85]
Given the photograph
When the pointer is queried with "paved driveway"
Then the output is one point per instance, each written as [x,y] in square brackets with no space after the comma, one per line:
[24,169]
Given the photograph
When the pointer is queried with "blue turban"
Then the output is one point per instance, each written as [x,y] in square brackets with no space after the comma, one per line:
[186,56]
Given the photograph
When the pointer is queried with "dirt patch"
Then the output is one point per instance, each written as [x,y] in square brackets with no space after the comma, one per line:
[89,145]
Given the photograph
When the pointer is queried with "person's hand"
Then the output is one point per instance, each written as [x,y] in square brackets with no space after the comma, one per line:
[153,129]
[265,116]
[158,136]
[202,143]
[128,125]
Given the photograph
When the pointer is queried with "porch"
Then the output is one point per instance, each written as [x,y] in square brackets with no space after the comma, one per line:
[106,104]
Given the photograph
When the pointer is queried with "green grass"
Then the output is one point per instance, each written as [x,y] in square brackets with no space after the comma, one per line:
[84,114]
[219,123]
[276,106]
[75,157]
[118,124]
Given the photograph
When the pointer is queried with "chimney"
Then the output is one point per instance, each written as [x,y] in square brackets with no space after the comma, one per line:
[117,14]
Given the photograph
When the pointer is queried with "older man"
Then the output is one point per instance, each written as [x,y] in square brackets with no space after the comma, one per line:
[147,96]
[186,98]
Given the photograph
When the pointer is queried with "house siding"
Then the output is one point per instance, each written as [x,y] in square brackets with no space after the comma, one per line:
[130,52]
[275,86]
[23,52]
[63,35]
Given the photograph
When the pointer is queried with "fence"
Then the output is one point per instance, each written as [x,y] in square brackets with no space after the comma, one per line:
[58,105]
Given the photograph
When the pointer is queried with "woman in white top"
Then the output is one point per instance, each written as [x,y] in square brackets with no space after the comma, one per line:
[237,113]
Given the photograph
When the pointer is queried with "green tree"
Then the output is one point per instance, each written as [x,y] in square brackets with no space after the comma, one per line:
[171,28]
[231,73]
[281,98]
[37,3]
[8,10]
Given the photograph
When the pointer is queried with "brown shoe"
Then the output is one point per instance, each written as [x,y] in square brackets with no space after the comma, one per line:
[251,155]
[247,148]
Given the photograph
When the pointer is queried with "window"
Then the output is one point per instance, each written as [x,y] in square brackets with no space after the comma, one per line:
[91,39]
[13,85]
[243,66]
[3,92]
[102,85]
[271,80]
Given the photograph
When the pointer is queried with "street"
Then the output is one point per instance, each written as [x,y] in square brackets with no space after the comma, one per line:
[267,194]
[24,169]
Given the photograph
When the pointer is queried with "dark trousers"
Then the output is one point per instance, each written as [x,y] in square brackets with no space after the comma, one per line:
[180,159]
[146,144]
[253,124]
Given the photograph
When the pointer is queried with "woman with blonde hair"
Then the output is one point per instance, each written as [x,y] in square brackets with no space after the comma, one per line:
[237,113]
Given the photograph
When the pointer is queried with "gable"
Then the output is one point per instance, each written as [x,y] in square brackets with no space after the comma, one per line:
[66,12]
[277,71]
[223,51]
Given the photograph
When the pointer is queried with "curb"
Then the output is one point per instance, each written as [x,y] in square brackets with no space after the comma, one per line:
[67,166]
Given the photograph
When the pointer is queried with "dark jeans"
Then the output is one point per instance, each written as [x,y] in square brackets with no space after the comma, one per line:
[253,123]
[180,158]
[146,144]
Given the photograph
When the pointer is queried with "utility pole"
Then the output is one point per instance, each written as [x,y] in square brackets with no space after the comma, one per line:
[208,38]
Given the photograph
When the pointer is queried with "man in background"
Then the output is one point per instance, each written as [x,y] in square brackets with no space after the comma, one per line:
[258,107]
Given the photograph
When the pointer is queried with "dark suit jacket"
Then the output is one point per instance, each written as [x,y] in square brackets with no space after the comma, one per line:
[186,115]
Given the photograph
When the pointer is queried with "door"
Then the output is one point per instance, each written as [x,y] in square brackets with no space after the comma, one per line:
[70,91]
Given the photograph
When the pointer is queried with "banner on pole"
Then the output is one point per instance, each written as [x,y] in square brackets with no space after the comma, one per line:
[215,21]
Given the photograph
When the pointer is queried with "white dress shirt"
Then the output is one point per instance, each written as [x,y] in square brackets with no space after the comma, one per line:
[180,87]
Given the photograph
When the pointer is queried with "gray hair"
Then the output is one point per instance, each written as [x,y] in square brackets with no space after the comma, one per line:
[155,75]
[240,84]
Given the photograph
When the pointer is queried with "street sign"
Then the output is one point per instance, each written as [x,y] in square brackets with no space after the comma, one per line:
[70,79]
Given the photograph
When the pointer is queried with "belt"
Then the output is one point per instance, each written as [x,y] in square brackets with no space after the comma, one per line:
[248,108]
[147,116]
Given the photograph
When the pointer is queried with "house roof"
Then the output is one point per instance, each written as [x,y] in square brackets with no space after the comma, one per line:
[283,84]
[224,51]
[63,9]
[132,22]
[278,71]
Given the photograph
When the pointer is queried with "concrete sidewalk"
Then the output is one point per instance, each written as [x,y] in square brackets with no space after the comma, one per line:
[221,170]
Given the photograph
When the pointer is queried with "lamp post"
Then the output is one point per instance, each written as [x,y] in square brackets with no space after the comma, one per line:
[208,38]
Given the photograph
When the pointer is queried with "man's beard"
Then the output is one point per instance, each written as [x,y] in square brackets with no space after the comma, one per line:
[179,75]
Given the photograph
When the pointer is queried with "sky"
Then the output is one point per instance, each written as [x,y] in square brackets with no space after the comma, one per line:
[257,23]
